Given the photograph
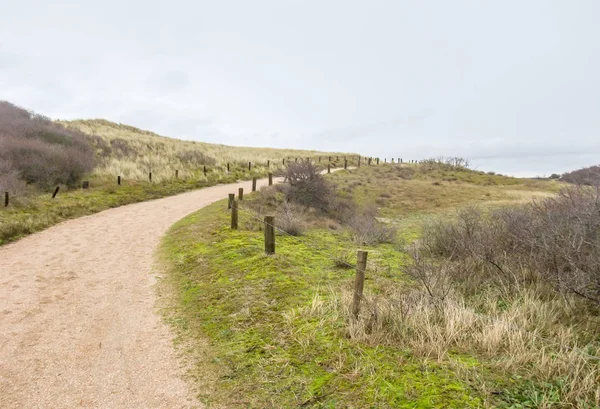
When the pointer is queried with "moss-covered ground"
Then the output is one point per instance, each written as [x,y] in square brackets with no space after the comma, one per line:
[256,319]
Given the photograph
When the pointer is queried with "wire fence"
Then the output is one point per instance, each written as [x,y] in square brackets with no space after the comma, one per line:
[8,196]
[318,249]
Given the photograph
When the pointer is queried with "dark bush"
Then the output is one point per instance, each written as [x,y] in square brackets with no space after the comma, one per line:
[42,152]
[307,186]
[587,176]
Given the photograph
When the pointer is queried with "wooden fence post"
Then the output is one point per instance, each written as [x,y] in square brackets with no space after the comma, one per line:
[119,180]
[359,281]
[328,168]
[359,161]
[231,199]
[270,179]
[319,159]
[149,176]
[6,199]
[227,167]
[204,170]
[345,163]
[330,159]
[55,192]
[269,235]
[400,160]
[234,215]
[283,162]
[269,164]
[254,184]
[241,193]
[176,173]
[249,165]
[296,160]
[378,161]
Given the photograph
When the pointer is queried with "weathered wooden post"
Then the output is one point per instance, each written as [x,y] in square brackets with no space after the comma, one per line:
[359,161]
[55,192]
[345,163]
[234,215]
[400,160]
[270,179]
[296,160]
[231,199]
[283,163]
[249,166]
[254,184]
[378,161]
[328,168]
[369,162]
[227,167]
[319,159]
[359,281]
[330,159]
[269,164]
[119,180]
[204,169]
[392,161]
[149,176]
[241,193]
[176,173]
[269,234]
[6,199]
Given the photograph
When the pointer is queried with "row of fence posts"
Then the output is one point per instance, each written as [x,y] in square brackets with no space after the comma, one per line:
[86,184]
[269,239]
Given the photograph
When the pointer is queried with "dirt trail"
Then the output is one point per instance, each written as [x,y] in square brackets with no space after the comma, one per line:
[78,325]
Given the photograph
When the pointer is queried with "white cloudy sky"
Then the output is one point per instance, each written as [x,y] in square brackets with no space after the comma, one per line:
[513,85]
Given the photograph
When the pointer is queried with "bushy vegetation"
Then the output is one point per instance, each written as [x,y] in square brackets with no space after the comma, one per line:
[589,176]
[555,241]
[34,150]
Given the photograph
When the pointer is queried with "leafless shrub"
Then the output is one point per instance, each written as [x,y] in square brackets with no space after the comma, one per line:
[291,219]
[307,186]
[367,230]
[556,241]
[446,162]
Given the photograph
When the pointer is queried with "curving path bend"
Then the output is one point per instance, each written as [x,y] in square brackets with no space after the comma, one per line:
[78,324]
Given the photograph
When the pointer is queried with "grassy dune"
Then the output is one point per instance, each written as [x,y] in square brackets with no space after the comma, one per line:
[275,331]
[132,153]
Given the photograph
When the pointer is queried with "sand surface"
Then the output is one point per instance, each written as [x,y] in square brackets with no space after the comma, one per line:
[78,319]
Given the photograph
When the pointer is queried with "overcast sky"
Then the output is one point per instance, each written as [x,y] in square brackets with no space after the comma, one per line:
[513,85]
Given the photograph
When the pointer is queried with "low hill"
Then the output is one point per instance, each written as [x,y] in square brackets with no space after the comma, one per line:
[132,152]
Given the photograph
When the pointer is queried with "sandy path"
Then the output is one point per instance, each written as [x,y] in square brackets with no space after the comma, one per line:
[78,325]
